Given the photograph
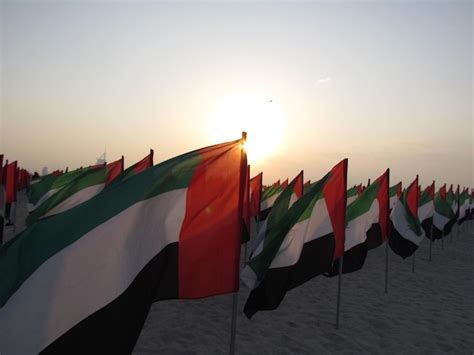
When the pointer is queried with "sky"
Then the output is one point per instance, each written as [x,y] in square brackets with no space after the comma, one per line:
[387,84]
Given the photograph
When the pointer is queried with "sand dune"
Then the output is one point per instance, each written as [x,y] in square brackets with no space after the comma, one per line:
[429,311]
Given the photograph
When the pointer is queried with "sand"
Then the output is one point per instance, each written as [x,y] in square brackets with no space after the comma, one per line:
[425,312]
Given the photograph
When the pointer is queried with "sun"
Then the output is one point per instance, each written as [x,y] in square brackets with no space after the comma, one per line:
[260,117]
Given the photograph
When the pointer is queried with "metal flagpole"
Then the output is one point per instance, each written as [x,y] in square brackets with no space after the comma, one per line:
[13,212]
[2,223]
[386,266]
[339,285]
[233,324]
[431,241]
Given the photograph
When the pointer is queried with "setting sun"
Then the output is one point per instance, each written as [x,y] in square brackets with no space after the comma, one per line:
[260,117]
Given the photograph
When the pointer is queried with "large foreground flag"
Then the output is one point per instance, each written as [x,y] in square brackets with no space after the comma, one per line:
[366,224]
[83,281]
[85,186]
[299,242]
[426,209]
[406,231]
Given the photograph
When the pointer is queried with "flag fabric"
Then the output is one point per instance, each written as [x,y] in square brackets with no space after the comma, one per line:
[11,182]
[378,232]
[136,168]
[255,194]
[269,196]
[2,195]
[451,199]
[366,225]
[395,193]
[406,231]
[1,169]
[464,206]
[443,213]
[298,241]
[353,193]
[426,209]
[85,186]
[48,186]
[246,208]
[92,273]
[114,170]
[471,205]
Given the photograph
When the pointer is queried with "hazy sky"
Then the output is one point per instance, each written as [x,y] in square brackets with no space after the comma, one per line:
[385,84]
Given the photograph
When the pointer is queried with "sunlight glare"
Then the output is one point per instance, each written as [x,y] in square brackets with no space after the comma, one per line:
[261,118]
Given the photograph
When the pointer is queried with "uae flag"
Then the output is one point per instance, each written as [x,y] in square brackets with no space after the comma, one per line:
[366,225]
[246,208]
[85,186]
[443,213]
[406,231]
[451,199]
[395,193]
[48,186]
[353,193]
[298,241]
[464,206]
[269,197]
[11,182]
[255,194]
[83,281]
[136,168]
[2,196]
[471,205]
[426,209]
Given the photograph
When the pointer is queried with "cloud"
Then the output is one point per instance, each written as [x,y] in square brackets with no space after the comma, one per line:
[324,80]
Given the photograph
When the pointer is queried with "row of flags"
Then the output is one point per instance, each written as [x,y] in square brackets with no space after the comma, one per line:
[103,243]
[12,179]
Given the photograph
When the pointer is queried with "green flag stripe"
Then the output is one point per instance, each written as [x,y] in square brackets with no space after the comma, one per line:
[280,224]
[87,178]
[363,203]
[50,235]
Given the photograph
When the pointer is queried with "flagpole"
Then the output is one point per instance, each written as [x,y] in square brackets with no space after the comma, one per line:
[233,324]
[339,285]
[386,266]
[2,222]
[431,241]
[13,207]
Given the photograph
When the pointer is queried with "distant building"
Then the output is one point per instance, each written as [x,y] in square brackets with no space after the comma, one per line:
[45,171]
[101,159]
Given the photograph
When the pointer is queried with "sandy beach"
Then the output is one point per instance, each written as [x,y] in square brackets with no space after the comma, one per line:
[429,311]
